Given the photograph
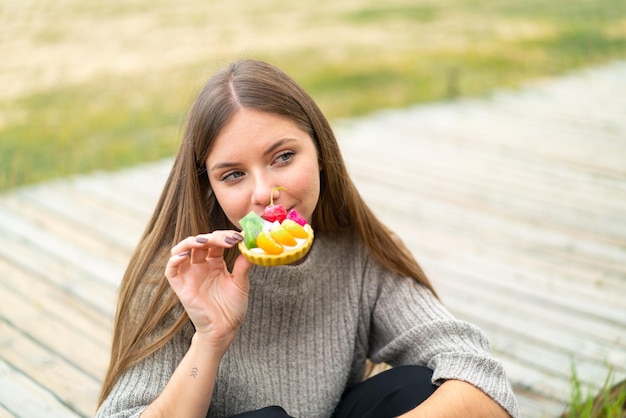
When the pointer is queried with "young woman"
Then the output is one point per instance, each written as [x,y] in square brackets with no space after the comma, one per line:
[200,331]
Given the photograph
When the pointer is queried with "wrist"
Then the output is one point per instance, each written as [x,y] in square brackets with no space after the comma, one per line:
[212,345]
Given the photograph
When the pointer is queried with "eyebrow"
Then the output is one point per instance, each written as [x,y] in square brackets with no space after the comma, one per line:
[268,151]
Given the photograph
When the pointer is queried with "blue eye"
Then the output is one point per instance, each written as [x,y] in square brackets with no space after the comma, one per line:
[232,176]
[285,157]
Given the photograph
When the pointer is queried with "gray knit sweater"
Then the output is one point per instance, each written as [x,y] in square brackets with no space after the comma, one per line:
[308,331]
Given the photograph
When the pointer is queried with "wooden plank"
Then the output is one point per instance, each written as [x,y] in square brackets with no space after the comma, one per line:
[596,235]
[412,198]
[24,398]
[535,319]
[531,402]
[137,187]
[526,330]
[537,133]
[76,284]
[562,203]
[41,301]
[527,263]
[108,191]
[485,126]
[4,413]
[111,227]
[15,228]
[59,338]
[65,230]
[576,239]
[523,338]
[453,227]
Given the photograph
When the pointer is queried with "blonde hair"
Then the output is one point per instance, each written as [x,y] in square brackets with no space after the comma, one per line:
[188,207]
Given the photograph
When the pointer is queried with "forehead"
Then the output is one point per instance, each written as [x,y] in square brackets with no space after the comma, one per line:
[250,130]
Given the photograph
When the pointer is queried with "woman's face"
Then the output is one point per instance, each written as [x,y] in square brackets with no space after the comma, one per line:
[257,152]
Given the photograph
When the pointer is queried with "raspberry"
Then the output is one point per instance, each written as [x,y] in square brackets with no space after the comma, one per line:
[296,217]
[275,213]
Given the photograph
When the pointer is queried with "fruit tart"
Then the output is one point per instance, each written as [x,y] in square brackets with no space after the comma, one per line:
[277,237]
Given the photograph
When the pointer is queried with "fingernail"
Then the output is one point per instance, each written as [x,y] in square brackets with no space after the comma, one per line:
[237,236]
[230,240]
[201,240]
[185,254]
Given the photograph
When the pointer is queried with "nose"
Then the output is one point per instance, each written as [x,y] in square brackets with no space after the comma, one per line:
[261,194]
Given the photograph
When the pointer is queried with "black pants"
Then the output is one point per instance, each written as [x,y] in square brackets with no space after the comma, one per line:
[388,394]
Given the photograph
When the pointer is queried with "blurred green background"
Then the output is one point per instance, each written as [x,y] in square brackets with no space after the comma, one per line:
[106,84]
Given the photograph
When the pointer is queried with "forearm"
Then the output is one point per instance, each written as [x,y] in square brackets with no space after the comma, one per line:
[456,398]
[189,390]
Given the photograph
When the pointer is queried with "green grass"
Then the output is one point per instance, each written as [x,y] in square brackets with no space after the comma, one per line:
[380,14]
[425,52]
[77,129]
[600,404]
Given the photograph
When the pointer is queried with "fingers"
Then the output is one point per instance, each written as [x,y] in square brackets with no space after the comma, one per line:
[197,249]
[242,265]
[198,255]
[199,246]
[175,262]
[240,271]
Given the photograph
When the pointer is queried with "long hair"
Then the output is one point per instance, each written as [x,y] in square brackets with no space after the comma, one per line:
[187,206]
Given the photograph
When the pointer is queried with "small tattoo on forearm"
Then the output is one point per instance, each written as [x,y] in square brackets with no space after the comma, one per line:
[194,372]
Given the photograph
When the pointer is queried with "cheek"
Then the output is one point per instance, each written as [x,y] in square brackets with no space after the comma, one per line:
[232,204]
[307,183]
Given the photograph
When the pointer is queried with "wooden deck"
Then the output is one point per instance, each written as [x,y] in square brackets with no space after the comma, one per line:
[515,205]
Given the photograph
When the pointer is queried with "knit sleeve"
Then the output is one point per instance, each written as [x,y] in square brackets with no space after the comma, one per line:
[139,385]
[410,326]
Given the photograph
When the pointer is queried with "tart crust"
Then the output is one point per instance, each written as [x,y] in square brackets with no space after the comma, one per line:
[286,257]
